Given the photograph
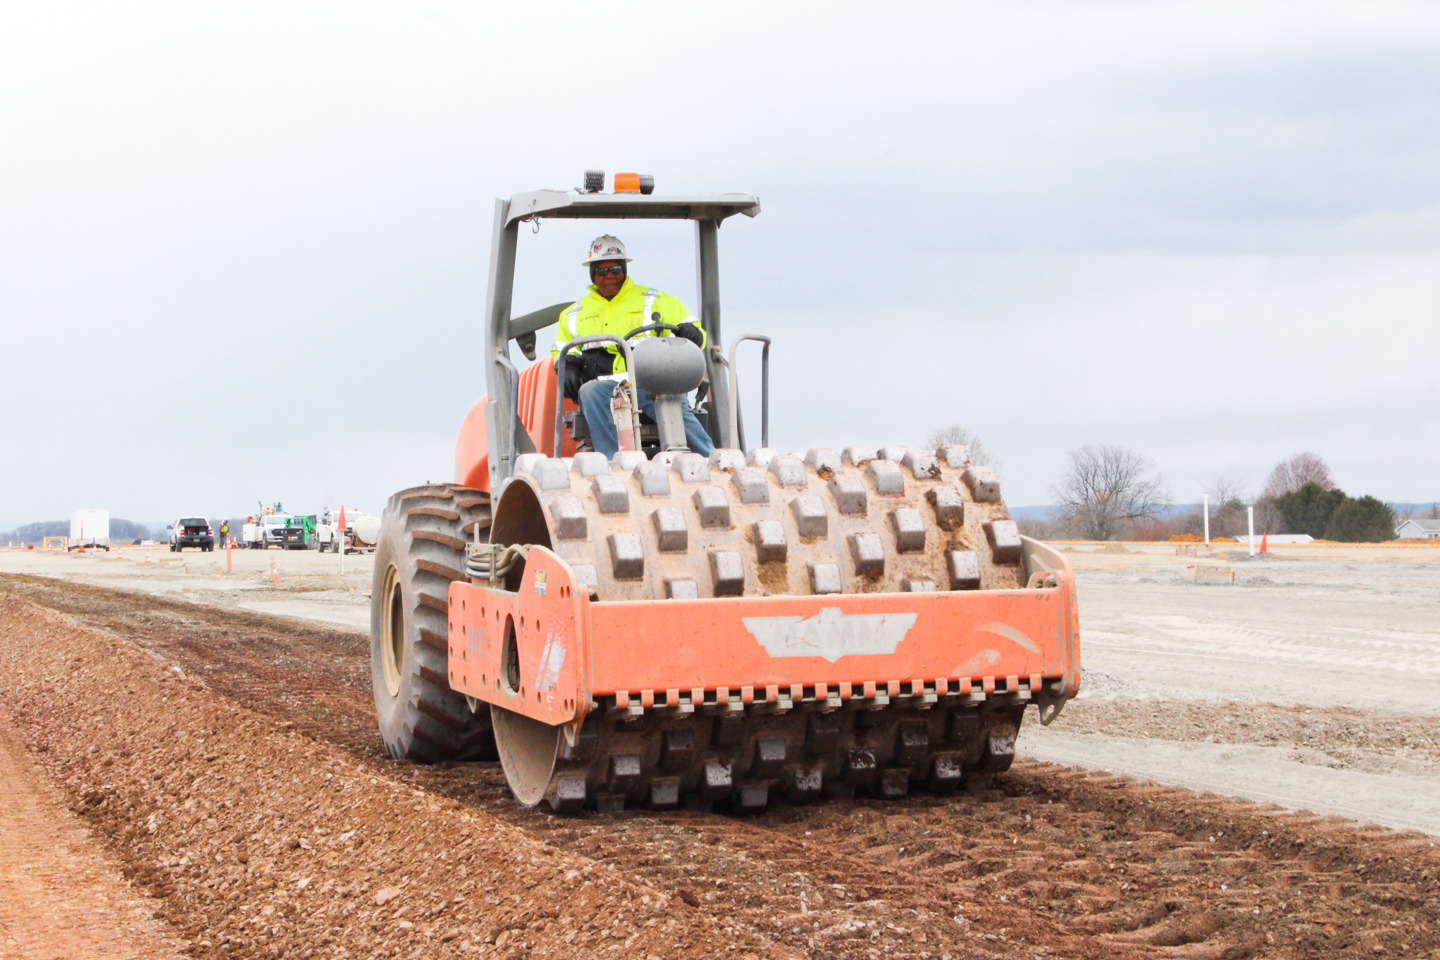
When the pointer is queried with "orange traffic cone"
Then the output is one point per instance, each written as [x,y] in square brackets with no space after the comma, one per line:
[147,556]
[1265,542]
[274,574]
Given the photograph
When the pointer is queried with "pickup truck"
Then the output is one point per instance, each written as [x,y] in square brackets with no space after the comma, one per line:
[260,533]
[191,532]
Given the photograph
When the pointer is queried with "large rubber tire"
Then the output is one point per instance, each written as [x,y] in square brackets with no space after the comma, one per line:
[421,551]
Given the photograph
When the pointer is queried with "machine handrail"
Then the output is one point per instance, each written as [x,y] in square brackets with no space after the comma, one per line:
[764,389]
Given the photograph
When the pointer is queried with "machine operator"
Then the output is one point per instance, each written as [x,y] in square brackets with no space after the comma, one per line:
[616,305]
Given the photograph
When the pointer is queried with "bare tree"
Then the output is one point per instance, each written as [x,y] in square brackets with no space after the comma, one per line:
[1108,489]
[1294,472]
[1227,492]
[1037,528]
[1224,487]
[958,434]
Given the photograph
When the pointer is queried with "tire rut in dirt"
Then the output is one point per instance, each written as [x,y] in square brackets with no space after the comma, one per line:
[420,553]
[1104,865]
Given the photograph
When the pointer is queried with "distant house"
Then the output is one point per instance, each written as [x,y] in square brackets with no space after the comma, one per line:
[1418,530]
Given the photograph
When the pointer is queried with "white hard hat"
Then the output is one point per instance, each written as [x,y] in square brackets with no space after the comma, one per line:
[605,248]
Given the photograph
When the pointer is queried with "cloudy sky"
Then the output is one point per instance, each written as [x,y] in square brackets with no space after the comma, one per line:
[243,248]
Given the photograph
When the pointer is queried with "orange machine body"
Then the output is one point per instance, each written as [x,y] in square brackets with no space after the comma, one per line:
[550,652]
[536,411]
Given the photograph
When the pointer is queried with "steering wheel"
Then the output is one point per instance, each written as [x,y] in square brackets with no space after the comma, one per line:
[652,326]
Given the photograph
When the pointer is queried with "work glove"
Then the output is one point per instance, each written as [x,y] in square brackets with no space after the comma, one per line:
[597,363]
[690,332]
[572,377]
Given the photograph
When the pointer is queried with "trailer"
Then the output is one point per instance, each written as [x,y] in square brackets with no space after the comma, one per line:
[89,529]
[361,530]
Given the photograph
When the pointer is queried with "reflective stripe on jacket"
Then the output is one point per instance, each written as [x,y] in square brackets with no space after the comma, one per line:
[633,306]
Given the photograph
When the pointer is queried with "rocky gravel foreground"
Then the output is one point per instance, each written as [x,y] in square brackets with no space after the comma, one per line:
[317,856]
[228,763]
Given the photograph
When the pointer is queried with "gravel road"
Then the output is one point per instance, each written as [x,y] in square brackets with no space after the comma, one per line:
[1304,683]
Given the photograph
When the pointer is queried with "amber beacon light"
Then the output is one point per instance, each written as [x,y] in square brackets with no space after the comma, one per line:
[634,183]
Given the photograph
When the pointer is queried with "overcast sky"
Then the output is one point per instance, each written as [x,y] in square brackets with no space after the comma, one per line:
[243,249]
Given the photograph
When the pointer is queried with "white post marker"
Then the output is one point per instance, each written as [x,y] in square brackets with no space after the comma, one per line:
[341,534]
[1207,519]
[1250,519]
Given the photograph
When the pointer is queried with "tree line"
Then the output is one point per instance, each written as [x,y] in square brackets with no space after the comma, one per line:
[121,531]
[1109,492]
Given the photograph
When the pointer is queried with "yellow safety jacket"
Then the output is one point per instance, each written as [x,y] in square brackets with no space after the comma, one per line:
[633,306]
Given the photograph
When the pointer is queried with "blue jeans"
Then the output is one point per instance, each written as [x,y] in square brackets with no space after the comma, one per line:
[595,404]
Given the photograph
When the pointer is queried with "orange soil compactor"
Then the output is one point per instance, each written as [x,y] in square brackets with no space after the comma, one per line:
[663,628]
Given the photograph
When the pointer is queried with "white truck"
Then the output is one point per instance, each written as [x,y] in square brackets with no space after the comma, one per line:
[361,530]
[89,528]
[264,531]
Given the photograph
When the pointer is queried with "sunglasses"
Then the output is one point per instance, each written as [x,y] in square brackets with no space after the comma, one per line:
[618,270]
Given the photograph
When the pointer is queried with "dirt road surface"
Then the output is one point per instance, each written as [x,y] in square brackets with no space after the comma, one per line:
[223,756]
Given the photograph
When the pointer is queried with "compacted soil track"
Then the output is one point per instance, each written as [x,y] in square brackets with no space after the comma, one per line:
[229,763]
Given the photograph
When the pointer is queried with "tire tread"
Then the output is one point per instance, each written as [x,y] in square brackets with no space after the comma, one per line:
[426,721]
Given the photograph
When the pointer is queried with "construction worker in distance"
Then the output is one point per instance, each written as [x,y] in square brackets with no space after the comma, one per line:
[616,305]
[224,532]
